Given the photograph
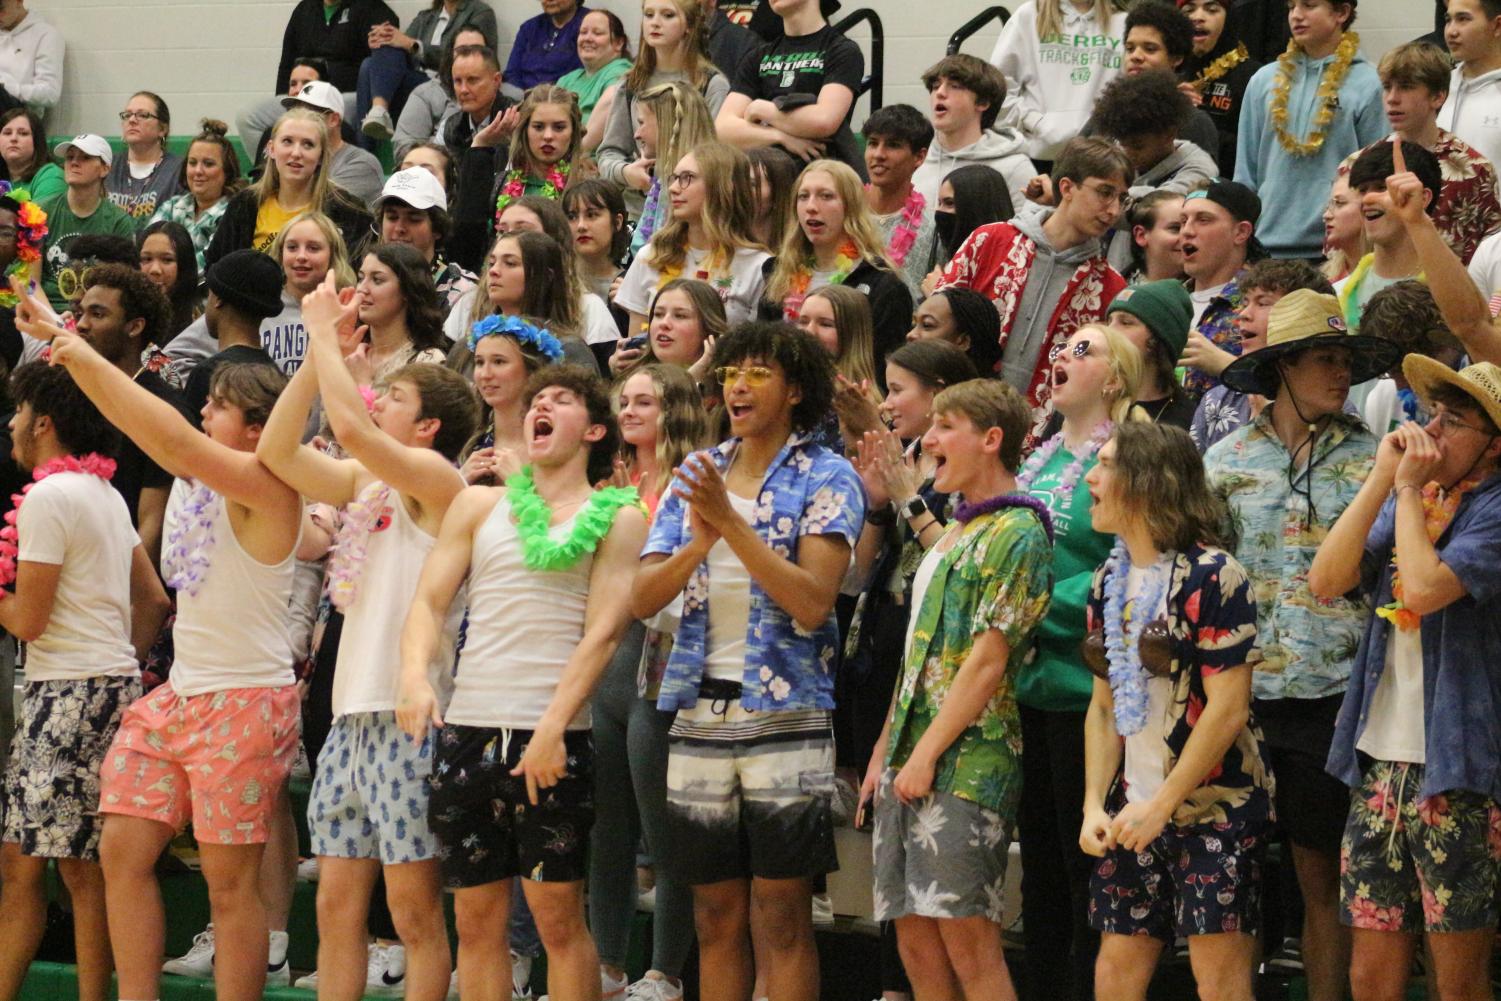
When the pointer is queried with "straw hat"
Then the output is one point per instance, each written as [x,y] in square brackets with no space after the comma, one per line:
[1480,381]
[1307,319]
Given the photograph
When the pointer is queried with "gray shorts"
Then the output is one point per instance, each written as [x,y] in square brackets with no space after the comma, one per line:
[942,857]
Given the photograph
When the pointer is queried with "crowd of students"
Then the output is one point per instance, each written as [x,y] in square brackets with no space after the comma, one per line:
[649,477]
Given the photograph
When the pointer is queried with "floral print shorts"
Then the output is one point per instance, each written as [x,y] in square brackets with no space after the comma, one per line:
[1401,851]
[50,800]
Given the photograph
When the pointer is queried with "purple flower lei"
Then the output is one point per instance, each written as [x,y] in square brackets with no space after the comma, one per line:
[1069,477]
[968,512]
[351,541]
[185,558]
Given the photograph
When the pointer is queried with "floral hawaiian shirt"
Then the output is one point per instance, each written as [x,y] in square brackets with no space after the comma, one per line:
[183,209]
[1218,325]
[1305,646]
[1211,613]
[807,491]
[998,575]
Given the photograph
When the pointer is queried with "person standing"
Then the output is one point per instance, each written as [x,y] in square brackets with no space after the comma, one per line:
[1472,30]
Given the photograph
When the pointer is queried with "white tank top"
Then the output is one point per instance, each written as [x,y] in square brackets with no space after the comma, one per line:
[523,626]
[369,665]
[234,633]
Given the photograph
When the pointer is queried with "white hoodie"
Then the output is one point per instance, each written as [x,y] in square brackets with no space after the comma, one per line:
[1473,111]
[1002,150]
[31,63]
[1051,86]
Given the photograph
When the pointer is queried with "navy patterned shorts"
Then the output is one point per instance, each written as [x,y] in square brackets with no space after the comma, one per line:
[50,799]
[487,829]
[1204,879]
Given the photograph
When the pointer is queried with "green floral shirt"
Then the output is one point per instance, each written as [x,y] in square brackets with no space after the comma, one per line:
[998,575]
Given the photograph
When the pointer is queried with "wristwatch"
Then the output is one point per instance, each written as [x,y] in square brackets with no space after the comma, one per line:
[914,507]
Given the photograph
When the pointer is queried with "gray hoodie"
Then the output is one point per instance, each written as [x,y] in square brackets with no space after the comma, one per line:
[1049,276]
[1185,168]
[1002,150]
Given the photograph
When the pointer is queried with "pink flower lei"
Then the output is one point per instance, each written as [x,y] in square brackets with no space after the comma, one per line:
[185,556]
[515,186]
[351,541]
[92,463]
[905,234]
[1069,477]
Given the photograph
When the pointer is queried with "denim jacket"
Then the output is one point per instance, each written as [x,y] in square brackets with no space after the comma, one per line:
[808,490]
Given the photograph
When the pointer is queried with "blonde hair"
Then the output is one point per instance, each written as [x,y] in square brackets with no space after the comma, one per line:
[682,422]
[1050,16]
[322,190]
[1126,366]
[546,93]
[857,338]
[859,225]
[338,253]
[696,64]
[684,121]
[728,215]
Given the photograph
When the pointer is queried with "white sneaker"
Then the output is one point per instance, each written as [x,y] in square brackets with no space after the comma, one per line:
[377,124]
[198,961]
[308,869]
[654,987]
[823,911]
[307,983]
[278,969]
[386,971]
[521,977]
[610,989]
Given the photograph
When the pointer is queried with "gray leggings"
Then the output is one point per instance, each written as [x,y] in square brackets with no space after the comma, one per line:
[630,797]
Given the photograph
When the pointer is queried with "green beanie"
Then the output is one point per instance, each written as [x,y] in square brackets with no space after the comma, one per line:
[1164,306]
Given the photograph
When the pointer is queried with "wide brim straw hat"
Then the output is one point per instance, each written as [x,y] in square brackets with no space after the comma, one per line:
[1480,381]
[1301,320]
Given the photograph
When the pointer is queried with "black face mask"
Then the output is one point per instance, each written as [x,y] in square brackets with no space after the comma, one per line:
[943,225]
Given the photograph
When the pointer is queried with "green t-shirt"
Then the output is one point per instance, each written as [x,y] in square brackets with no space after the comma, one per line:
[63,227]
[590,87]
[46,184]
[1057,679]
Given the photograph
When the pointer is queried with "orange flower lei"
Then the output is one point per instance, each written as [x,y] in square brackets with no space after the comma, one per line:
[1439,507]
[847,261]
[1328,95]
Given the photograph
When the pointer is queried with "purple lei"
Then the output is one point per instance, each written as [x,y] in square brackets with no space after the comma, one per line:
[968,512]
[1069,477]
[185,557]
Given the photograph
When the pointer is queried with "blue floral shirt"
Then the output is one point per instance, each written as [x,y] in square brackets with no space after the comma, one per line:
[1218,326]
[808,490]
[1305,646]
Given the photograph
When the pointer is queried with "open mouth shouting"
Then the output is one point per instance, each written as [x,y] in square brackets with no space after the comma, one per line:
[541,432]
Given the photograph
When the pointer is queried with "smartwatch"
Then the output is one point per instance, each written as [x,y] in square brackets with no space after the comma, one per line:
[914,507]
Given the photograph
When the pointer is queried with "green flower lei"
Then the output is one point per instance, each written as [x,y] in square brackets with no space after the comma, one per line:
[533,516]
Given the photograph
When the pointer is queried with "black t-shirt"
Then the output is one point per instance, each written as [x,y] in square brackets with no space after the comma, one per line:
[134,469]
[801,65]
[195,393]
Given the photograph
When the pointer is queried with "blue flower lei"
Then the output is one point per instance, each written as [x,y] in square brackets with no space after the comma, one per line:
[539,339]
[1128,679]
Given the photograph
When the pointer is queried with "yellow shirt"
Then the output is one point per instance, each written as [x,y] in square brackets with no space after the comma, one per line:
[269,220]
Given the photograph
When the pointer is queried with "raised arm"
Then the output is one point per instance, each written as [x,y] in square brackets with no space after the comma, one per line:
[304,469]
[1335,570]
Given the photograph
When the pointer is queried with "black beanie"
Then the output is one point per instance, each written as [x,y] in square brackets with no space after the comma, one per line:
[249,281]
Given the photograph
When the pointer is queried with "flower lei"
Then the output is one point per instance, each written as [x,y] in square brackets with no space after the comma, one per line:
[648,223]
[797,286]
[968,512]
[722,284]
[1224,64]
[185,557]
[533,517]
[540,339]
[1439,508]
[1128,679]
[515,186]
[1328,95]
[31,231]
[1069,478]
[351,541]
[905,233]
[92,463]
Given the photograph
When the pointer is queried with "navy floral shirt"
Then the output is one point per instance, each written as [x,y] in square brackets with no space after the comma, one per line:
[808,490]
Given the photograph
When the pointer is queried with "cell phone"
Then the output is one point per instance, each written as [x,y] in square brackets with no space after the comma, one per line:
[639,341]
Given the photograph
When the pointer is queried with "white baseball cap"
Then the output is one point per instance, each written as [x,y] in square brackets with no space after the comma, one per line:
[319,94]
[415,186]
[88,144]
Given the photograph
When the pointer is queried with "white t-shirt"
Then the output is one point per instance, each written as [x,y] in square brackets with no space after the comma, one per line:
[1201,300]
[741,297]
[599,324]
[1394,731]
[78,521]
[1147,758]
[1485,266]
[920,581]
[729,605]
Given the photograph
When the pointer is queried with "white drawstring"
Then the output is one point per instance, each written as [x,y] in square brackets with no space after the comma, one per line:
[1391,841]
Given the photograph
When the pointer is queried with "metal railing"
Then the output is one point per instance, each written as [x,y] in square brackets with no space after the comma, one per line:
[973,25]
[874,82]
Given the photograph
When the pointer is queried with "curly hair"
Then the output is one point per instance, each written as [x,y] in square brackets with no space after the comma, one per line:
[139,298]
[803,361]
[51,392]
[1159,475]
[595,394]
[1284,276]
[1172,24]
[1407,315]
[1147,104]
[414,277]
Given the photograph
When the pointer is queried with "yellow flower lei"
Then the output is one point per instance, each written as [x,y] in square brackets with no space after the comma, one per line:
[1334,78]
[1224,64]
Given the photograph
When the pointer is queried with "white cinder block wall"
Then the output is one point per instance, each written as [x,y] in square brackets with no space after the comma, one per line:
[207,58]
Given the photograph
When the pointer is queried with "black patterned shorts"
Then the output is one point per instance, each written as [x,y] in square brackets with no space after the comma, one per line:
[487,829]
[50,798]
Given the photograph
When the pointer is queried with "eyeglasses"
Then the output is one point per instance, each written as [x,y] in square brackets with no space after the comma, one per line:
[682,177]
[139,116]
[1106,193]
[1448,423]
[755,376]
[72,281]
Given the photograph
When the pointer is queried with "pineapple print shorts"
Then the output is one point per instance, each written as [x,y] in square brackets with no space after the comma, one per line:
[369,796]
[219,759]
